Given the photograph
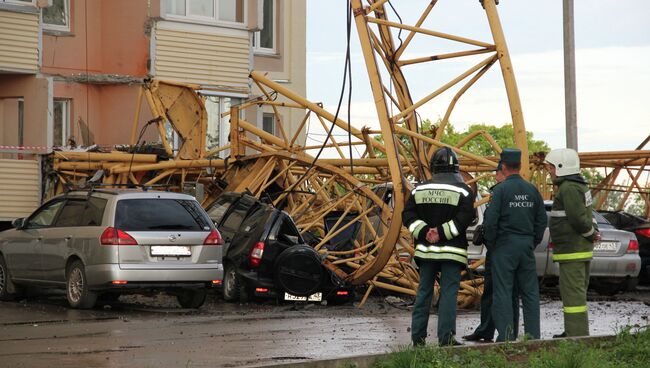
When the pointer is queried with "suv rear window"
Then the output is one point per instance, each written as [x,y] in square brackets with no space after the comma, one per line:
[219,209]
[154,214]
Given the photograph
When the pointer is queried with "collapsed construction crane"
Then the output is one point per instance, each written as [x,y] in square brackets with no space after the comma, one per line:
[359,197]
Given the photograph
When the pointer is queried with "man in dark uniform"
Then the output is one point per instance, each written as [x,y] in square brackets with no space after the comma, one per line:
[485,330]
[573,231]
[437,214]
[514,224]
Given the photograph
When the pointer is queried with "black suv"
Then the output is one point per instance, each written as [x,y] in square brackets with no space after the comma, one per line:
[266,256]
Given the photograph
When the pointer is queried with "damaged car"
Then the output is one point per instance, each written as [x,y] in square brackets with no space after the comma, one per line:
[265,256]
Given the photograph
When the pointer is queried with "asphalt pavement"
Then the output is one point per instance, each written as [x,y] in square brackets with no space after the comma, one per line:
[42,331]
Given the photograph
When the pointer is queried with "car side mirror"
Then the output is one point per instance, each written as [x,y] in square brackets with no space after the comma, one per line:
[18,223]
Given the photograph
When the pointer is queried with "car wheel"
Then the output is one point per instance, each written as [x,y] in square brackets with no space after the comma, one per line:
[79,297]
[230,284]
[6,286]
[192,298]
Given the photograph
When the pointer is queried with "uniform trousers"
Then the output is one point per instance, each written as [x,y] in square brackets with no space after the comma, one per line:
[513,265]
[449,284]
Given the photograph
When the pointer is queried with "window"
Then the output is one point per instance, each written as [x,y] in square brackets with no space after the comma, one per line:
[218,129]
[19,2]
[94,212]
[233,221]
[57,16]
[229,11]
[160,214]
[268,123]
[61,119]
[71,213]
[264,40]
[219,209]
[45,216]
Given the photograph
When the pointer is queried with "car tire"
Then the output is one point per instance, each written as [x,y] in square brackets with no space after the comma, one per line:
[76,287]
[231,284]
[192,298]
[8,291]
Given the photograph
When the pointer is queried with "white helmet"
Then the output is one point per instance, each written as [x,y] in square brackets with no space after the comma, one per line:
[565,160]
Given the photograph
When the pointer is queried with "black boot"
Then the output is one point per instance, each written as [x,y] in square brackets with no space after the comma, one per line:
[476,338]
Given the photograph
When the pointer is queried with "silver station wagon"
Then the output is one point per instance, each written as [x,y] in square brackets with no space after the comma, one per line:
[104,243]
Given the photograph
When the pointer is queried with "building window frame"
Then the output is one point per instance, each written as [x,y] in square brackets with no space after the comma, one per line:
[222,103]
[207,20]
[257,48]
[268,117]
[66,19]
[19,2]
[64,121]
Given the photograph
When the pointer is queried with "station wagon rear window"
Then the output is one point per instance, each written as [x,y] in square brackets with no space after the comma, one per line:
[154,214]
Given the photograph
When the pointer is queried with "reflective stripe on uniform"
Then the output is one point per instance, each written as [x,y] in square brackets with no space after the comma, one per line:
[445,228]
[441,186]
[578,309]
[558,213]
[441,256]
[416,226]
[573,256]
[588,233]
[452,227]
[440,249]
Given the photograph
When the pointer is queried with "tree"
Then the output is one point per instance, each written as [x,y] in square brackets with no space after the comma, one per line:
[504,135]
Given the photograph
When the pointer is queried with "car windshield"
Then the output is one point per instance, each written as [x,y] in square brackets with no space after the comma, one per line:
[153,214]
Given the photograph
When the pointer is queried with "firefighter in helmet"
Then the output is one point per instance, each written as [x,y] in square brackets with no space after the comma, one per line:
[573,232]
[437,214]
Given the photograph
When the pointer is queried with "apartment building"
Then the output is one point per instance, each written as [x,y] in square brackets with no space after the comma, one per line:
[70,70]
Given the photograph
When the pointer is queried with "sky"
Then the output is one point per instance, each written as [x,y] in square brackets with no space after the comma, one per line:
[612,67]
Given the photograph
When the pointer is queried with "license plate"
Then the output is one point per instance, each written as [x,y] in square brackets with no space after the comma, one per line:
[606,247]
[316,297]
[171,250]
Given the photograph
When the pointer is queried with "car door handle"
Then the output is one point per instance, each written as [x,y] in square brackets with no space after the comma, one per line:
[40,238]
[67,238]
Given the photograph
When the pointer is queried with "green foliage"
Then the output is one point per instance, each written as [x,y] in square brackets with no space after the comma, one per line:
[630,349]
[504,135]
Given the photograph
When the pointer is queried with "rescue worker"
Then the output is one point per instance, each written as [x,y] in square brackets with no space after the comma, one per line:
[485,330]
[437,214]
[573,232]
[514,224]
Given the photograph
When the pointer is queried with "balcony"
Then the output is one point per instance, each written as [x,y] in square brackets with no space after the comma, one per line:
[19,40]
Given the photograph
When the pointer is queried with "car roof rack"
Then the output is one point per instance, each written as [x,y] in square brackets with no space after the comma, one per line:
[103,187]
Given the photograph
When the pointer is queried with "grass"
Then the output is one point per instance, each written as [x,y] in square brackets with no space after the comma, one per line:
[630,349]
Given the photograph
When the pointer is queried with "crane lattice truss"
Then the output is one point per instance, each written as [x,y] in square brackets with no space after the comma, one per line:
[334,198]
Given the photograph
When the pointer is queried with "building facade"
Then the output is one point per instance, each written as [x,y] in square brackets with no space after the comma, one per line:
[71,70]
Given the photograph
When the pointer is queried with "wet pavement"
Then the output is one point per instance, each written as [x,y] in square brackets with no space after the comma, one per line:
[155,332]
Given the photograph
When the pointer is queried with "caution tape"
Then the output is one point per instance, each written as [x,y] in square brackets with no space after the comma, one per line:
[34,148]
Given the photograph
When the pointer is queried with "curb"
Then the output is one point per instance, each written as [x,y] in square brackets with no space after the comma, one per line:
[368,361]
